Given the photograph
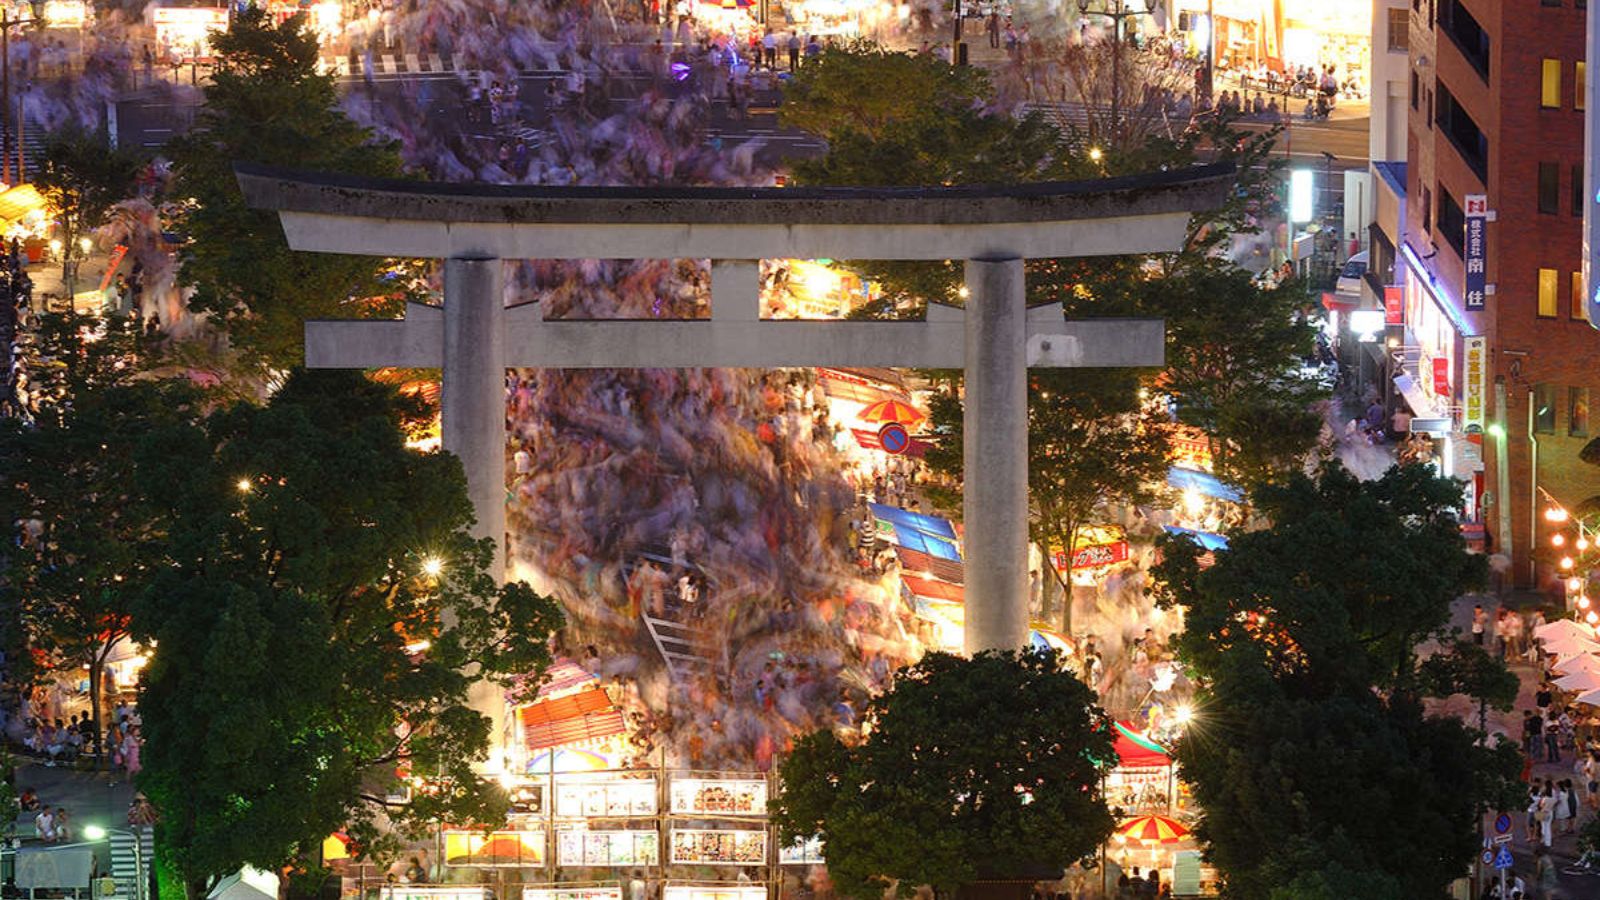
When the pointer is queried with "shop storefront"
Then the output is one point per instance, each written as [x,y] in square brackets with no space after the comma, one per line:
[1281,34]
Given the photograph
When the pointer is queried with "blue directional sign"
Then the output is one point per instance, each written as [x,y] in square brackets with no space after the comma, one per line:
[1502,860]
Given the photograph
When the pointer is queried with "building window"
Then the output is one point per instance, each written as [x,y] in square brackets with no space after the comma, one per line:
[1399,30]
[1580,86]
[1549,289]
[1577,412]
[1549,188]
[1544,408]
[1577,295]
[1550,2]
[1577,191]
[1452,222]
[1415,90]
[1550,84]
[1427,210]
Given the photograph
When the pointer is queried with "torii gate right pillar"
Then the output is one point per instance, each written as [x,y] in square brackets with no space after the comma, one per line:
[995,456]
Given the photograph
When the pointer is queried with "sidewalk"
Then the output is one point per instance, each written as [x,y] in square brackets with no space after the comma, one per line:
[89,797]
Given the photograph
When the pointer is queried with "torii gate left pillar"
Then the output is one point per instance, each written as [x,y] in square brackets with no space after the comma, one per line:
[474,338]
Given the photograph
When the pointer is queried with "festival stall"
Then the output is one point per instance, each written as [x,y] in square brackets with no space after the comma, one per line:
[325,18]
[812,289]
[183,32]
[1144,779]
[1096,548]
[66,14]
[1151,841]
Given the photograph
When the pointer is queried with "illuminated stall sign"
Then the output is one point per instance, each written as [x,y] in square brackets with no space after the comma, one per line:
[1093,556]
[1189,447]
[512,848]
[608,848]
[421,892]
[613,892]
[803,853]
[714,847]
[614,798]
[718,892]
[722,796]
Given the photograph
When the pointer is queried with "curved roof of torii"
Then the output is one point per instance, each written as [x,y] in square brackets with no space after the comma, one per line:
[391,217]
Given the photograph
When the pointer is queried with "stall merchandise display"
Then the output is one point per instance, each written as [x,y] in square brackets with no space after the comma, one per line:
[619,798]
[613,892]
[608,848]
[741,797]
[713,847]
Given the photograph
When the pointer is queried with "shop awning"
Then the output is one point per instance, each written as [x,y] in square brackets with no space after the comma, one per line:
[584,716]
[19,201]
[1421,406]
[1340,302]
[933,590]
[915,531]
[923,564]
[863,386]
[1135,751]
[1203,482]
[563,677]
[1205,539]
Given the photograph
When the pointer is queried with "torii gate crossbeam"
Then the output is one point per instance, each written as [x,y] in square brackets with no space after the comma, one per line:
[474,337]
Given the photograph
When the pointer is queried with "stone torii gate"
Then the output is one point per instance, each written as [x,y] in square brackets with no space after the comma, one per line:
[474,337]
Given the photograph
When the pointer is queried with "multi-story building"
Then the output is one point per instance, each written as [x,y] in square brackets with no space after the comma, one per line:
[1494,353]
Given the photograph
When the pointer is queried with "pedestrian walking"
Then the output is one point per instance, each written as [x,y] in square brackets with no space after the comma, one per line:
[992,26]
[1552,739]
[1480,619]
[794,50]
[769,49]
[1545,880]
[1561,814]
[1544,814]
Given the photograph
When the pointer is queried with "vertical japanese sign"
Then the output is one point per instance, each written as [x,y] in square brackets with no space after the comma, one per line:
[1475,383]
[1476,249]
[1441,377]
[1394,305]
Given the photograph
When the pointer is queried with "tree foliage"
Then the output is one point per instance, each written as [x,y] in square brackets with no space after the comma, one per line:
[267,104]
[78,554]
[976,768]
[82,177]
[306,663]
[1314,763]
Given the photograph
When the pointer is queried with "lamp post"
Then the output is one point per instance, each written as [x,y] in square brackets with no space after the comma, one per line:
[101,832]
[1116,11]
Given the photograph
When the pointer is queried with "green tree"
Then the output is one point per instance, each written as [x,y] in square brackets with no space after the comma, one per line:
[82,177]
[1091,442]
[1314,762]
[267,104]
[979,768]
[71,502]
[308,656]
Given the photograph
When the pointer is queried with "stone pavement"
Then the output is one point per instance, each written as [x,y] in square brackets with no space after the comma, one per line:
[89,797]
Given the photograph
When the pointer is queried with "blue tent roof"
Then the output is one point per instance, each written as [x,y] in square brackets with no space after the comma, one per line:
[1205,539]
[1204,482]
[915,531]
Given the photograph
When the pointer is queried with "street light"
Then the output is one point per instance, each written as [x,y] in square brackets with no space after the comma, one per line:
[1116,13]
[432,566]
[100,832]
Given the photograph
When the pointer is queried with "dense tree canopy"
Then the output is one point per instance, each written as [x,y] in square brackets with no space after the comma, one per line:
[267,104]
[307,657]
[988,767]
[1314,763]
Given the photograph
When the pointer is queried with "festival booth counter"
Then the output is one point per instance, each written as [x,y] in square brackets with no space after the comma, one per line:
[1144,779]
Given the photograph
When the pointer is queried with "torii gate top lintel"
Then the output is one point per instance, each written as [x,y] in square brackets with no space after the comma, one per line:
[389,217]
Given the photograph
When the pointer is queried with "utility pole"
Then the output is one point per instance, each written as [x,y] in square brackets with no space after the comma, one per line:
[1116,15]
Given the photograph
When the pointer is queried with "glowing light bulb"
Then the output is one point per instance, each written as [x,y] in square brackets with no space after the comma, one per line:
[432,566]
[1583,543]
[244,485]
[1555,514]
[1183,715]
[1583,603]
[1592,617]
[1566,562]
[1574,583]
[1557,540]
[1096,154]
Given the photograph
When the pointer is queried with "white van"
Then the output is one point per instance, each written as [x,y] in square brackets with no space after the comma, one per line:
[1355,268]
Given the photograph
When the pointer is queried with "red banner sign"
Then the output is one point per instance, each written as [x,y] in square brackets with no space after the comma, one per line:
[1394,305]
[1441,376]
[1093,557]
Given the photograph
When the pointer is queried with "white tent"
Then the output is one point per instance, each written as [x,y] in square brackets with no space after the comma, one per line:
[246,884]
[1579,681]
[1579,662]
[1592,698]
[1563,628]
[1570,646]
